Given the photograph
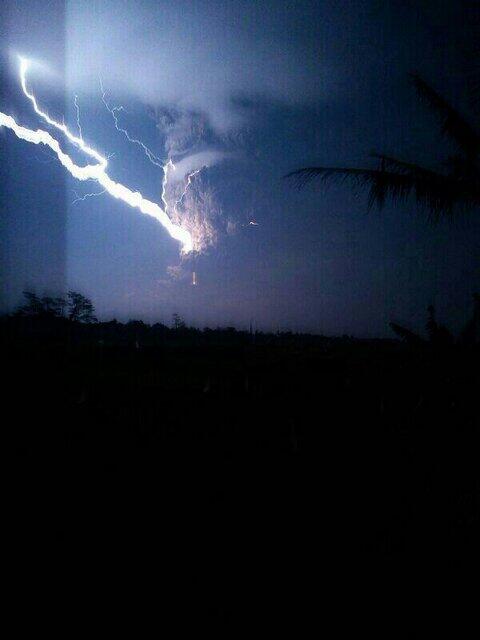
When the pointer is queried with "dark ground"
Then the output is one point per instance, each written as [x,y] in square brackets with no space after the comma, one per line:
[264,462]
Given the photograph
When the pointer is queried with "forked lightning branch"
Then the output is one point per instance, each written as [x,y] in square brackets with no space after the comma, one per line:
[96,171]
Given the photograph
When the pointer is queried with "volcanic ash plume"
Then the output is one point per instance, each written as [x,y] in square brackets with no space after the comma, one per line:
[199,213]
[192,202]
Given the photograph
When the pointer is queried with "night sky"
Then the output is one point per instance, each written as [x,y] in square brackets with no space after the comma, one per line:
[253,90]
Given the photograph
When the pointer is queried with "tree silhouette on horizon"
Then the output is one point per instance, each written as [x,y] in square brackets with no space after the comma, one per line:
[75,306]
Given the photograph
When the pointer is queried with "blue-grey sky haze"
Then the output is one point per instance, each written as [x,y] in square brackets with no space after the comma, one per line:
[248,90]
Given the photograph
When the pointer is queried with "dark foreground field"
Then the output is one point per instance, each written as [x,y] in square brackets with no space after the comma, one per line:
[259,460]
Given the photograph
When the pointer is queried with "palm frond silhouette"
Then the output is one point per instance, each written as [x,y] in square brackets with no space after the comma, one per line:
[439,192]
[408,336]
[438,334]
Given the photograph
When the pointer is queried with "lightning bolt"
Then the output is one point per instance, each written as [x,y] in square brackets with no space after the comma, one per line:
[155,160]
[168,165]
[93,194]
[86,196]
[61,127]
[95,172]
[77,109]
[114,110]
[187,184]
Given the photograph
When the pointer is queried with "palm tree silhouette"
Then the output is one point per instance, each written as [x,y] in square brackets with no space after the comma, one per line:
[439,192]
[438,334]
